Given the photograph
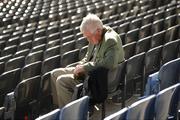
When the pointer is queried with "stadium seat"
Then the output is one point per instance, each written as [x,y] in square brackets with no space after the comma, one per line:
[34,57]
[40,33]
[129,49]
[135,24]
[81,42]
[143,45]
[67,32]
[17,62]
[77,109]
[147,19]
[145,31]
[132,35]
[9,50]
[30,29]
[172,33]
[53,51]
[157,26]
[134,77]
[68,46]
[170,11]
[158,39]
[170,21]
[13,41]
[169,73]
[120,115]
[8,81]
[158,15]
[53,36]
[123,28]
[47,65]
[39,41]
[68,38]
[25,45]
[53,115]
[24,52]
[38,48]
[31,70]
[26,94]
[5,58]
[69,57]
[166,103]
[142,109]
[170,51]
[26,37]
[152,61]
[52,29]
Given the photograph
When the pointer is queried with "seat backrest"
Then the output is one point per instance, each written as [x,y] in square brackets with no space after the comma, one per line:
[27,91]
[119,79]
[34,57]
[169,73]
[70,57]
[76,110]
[142,109]
[8,81]
[152,60]
[50,64]
[14,63]
[120,115]
[129,49]
[31,70]
[53,115]
[170,51]
[163,102]
[143,45]
[134,72]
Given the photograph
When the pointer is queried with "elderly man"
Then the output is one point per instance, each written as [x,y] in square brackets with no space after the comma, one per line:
[104,50]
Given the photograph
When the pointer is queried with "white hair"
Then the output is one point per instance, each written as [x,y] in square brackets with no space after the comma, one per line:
[91,23]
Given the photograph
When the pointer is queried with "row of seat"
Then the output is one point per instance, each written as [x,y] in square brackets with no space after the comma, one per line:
[46,10]
[161,106]
[77,109]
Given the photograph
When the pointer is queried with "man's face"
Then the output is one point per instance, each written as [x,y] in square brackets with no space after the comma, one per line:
[93,38]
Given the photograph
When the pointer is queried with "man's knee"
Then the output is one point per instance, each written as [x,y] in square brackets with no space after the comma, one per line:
[66,81]
[56,73]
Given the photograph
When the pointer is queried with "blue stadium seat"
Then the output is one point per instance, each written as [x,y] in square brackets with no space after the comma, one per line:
[77,109]
[120,115]
[166,103]
[142,109]
[53,115]
[169,73]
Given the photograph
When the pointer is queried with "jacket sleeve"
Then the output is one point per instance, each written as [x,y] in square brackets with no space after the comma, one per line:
[85,59]
[110,58]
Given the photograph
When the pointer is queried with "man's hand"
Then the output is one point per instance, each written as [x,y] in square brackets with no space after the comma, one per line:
[79,69]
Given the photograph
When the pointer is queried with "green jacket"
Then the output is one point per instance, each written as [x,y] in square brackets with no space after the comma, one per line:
[109,52]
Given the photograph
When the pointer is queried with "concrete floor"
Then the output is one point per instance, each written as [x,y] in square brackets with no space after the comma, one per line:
[111,108]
